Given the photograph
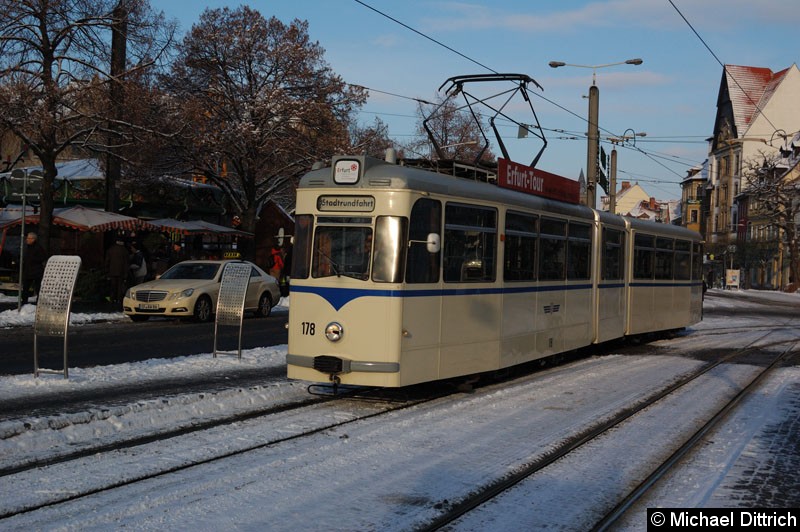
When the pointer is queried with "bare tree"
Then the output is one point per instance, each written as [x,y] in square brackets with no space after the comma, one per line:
[774,196]
[459,134]
[370,140]
[262,103]
[55,70]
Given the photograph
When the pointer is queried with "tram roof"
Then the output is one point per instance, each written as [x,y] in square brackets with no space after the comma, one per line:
[378,174]
[669,230]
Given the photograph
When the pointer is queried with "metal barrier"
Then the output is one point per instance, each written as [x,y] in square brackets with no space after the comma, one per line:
[230,303]
[53,305]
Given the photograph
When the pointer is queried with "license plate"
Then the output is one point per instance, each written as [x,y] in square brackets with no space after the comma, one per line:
[148,306]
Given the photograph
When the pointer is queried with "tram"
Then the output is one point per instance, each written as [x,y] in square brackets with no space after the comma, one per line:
[403,275]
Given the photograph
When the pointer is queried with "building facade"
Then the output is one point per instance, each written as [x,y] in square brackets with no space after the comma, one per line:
[752,105]
[694,204]
[757,112]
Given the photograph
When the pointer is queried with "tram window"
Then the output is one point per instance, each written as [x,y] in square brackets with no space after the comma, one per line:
[665,256]
[390,249]
[613,252]
[342,250]
[470,235]
[301,249]
[683,254]
[520,247]
[643,259]
[422,266]
[552,249]
[697,261]
[579,247]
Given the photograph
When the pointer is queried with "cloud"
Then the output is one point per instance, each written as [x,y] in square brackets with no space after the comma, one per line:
[608,79]
[388,40]
[727,15]
[461,16]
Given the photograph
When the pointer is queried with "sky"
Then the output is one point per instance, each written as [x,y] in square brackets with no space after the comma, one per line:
[670,97]
[390,472]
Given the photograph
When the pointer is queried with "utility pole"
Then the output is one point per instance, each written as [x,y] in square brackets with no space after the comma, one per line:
[612,194]
[612,184]
[593,135]
[593,149]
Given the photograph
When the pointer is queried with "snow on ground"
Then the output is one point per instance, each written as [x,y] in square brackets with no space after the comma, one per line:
[186,407]
[216,498]
[27,314]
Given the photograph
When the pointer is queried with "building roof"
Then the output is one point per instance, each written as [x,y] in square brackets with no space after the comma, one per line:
[75,170]
[749,88]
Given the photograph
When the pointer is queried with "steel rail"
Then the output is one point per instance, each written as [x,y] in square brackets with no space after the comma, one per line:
[638,492]
[483,495]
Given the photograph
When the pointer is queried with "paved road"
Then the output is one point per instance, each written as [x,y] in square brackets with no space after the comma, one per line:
[125,341]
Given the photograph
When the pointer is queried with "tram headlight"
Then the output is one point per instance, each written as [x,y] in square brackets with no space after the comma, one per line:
[334,331]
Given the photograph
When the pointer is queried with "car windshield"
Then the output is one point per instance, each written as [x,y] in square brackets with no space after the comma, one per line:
[191,270]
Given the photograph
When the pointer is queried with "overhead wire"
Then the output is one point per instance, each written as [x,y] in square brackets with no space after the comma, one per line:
[472,60]
[755,104]
[426,36]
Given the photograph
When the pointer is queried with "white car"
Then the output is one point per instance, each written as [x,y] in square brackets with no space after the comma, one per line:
[190,288]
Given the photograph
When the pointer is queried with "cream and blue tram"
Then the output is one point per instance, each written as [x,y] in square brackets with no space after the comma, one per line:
[402,275]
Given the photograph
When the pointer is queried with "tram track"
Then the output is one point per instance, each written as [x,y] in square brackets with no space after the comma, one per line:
[690,444]
[377,405]
[482,495]
[173,432]
[294,425]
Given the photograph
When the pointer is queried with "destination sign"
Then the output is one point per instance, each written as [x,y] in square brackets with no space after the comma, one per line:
[538,182]
[346,203]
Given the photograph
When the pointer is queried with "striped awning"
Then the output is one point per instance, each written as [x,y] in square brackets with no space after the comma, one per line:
[196,227]
[87,219]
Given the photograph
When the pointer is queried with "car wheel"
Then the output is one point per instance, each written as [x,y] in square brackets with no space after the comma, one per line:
[202,309]
[139,318]
[264,306]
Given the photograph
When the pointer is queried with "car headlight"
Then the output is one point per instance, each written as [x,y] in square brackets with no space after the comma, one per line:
[129,293]
[183,293]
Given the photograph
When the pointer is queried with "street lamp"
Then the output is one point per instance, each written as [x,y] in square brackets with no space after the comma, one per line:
[556,64]
[593,136]
[612,192]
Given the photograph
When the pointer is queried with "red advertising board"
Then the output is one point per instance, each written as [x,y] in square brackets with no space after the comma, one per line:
[534,181]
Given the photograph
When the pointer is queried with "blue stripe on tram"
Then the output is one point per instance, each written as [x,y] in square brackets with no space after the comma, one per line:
[339,297]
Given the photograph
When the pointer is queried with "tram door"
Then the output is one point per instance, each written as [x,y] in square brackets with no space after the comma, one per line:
[422,305]
[612,302]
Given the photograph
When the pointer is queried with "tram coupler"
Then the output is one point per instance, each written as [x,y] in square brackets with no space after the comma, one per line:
[326,389]
[336,382]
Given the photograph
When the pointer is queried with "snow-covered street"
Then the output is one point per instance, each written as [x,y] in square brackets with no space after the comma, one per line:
[397,470]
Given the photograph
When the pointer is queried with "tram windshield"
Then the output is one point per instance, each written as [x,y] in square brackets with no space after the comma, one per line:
[344,247]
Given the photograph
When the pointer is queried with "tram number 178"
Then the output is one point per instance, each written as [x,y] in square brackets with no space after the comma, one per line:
[308,328]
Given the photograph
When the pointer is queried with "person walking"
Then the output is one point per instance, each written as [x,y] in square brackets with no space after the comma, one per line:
[177,255]
[34,258]
[138,264]
[276,262]
[117,269]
